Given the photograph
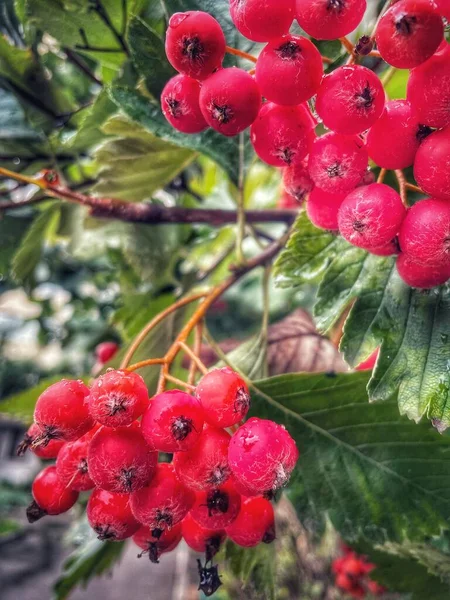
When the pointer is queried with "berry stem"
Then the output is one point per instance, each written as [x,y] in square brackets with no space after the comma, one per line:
[414,188]
[180,382]
[402,185]
[197,348]
[145,363]
[347,45]
[193,356]
[381,175]
[237,52]
[326,60]
[240,205]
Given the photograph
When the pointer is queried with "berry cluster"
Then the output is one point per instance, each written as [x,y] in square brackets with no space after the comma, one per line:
[287,96]
[352,575]
[106,438]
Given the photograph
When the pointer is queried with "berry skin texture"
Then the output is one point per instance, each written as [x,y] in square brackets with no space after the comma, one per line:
[224,396]
[387,250]
[443,8]
[46,452]
[350,99]
[337,163]
[215,509]
[322,209]
[110,516]
[195,44]
[329,19]
[254,524]
[289,70]
[262,23]
[62,412]
[51,496]
[230,101]
[164,502]
[371,216]
[200,538]
[409,33]
[72,465]
[282,135]
[155,546]
[180,103]
[173,422]
[425,233]
[118,398]
[297,182]
[431,165]
[106,351]
[262,455]
[120,461]
[421,276]
[205,466]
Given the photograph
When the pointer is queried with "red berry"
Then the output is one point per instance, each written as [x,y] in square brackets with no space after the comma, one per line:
[62,412]
[254,524]
[50,450]
[205,466]
[51,496]
[322,209]
[409,33]
[337,564]
[106,351]
[431,165]
[164,502]
[72,465]
[329,19]
[387,250]
[224,396]
[289,70]
[173,421]
[371,216]
[418,275]
[244,490]
[369,363]
[375,588]
[337,163]
[180,103]
[350,99]
[353,566]
[262,455]
[288,202]
[262,23]
[200,538]
[120,461]
[155,546]
[195,44]
[443,8]
[282,135]
[230,101]
[297,182]
[110,516]
[425,232]
[217,508]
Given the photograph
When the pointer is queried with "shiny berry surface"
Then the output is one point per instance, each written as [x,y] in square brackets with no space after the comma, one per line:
[224,397]
[254,524]
[72,465]
[217,508]
[329,19]
[180,104]
[431,164]
[262,23]
[106,351]
[200,538]
[50,494]
[110,516]
[322,208]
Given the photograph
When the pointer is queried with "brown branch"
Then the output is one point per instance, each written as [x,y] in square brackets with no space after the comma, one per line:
[80,64]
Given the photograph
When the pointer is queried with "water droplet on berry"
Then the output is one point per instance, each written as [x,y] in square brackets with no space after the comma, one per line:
[177,19]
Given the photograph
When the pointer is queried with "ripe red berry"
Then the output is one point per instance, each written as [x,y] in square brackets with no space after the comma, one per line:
[224,396]
[371,216]
[443,8]
[106,351]
[425,233]
[337,163]
[217,508]
[72,465]
[297,182]
[120,461]
[329,19]
[350,99]
[155,546]
[46,452]
[288,202]
[205,466]
[173,421]
[62,412]
[418,275]
[262,455]
[254,524]
[230,101]
[289,70]
[282,135]
[322,209]
[431,165]
[110,516]
[262,23]
[200,538]
[409,33]
[180,103]
[195,44]
[429,89]
[387,250]
[51,496]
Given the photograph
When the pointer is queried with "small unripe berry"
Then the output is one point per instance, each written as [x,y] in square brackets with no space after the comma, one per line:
[431,164]
[217,508]
[329,19]
[262,23]
[110,516]
[322,209]
[46,452]
[106,351]
[180,103]
[51,496]
[418,275]
[254,524]
[155,546]
[202,539]
[72,465]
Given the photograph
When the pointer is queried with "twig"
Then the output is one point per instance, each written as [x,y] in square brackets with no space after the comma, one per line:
[197,348]
[347,45]
[145,363]
[381,175]
[402,183]
[79,62]
[414,188]
[102,13]
[241,54]
[240,204]
[180,382]
[193,356]
[326,60]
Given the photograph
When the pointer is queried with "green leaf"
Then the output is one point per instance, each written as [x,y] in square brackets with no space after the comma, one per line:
[12,230]
[253,567]
[250,357]
[396,87]
[374,473]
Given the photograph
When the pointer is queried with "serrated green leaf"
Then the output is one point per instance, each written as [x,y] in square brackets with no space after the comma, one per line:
[253,567]
[250,357]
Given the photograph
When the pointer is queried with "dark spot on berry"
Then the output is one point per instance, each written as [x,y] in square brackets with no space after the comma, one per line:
[212,547]
[365,98]
[221,114]
[209,578]
[405,24]
[104,533]
[336,5]
[192,48]
[164,518]
[181,428]
[83,466]
[116,403]
[157,533]
[218,475]
[269,535]
[289,50]
[242,401]
[126,479]
[285,154]
[217,501]
[35,512]
[423,131]
[334,170]
[364,45]
[359,226]
[174,107]
[49,433]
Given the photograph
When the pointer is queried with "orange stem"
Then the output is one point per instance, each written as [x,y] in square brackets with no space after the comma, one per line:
[327,60]
[179,382]
[146,363]
[402,183]
[347,45]
[237,52]
[197,349]
[381,175]
[414,188]
[193,356]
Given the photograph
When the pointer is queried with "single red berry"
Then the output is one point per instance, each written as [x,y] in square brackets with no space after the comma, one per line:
[120,461]
[217,508]
[297,182]
[337,564]
[50,450]
[167,541]
[72,464]
[322,209]
[329,19]
[431,165]
[387,250]
[195,44]
[354,566]
[62,412]
[289,70]
[106,351]
[282,135]
[202,539]
[443,8]
[254,524]
[173,422]
[350,99]
[262,23]
[51,496]
[110,516]
[118,398]
[262,455]
[180,103]
[337,163]
[224,397]
[425,232]
[419,275]
[409,32]
[369,363]
[230,101]
[205,466]
[288,202]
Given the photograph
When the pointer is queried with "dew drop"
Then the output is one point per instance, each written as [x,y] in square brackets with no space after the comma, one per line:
[177,19]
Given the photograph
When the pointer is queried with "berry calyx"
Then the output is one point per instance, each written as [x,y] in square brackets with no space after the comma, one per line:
[262,23]
[329,19]
[202,539]
[106,351]
[180,104]
[46,452]
[254,524]
[217,508]
[110,516]
[322,209]
[155,546]
[51,496]
[431,164]
[72,465]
